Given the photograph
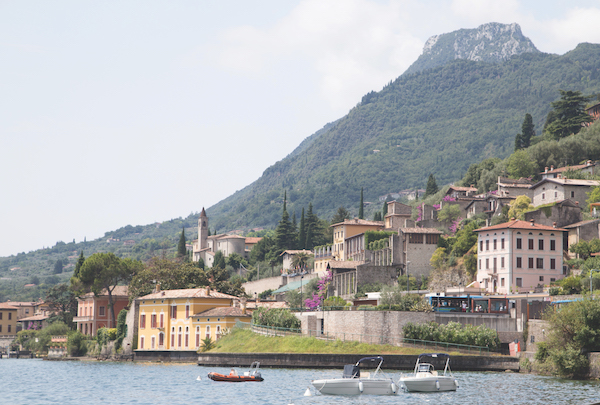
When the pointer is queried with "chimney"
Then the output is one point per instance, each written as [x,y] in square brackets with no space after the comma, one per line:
[532,222]
[208,291]
[554,224]
[551,167]
[157,287]
[576,202]
[546,169]
[588,163]
[244,306]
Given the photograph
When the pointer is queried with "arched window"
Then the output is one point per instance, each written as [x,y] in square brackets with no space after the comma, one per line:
[142,342]
[197,336]
[161,340]
[152,342]
[172,337]
[218,332]
[207,331]
[179,338]
[187,336]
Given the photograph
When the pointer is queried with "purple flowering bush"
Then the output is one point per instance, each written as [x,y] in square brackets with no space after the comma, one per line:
[317,299]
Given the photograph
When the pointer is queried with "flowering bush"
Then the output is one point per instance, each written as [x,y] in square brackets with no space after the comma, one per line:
[448,198]
[420,213]
[437,206]
[317,299]
[454,227]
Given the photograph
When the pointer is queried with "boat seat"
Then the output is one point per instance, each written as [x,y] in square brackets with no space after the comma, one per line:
[365,375]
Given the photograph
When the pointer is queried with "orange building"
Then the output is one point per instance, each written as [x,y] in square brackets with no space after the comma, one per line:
[93,312]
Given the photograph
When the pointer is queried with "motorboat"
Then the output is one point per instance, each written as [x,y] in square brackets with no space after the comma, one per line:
[253,374]
[355,381]
[426,379]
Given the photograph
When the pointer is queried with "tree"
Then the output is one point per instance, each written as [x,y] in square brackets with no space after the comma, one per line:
[519,164]
[284,234]
[593,196]
[520,206]
[340,215]
[523,140]
[361,212]
[449,213]
[300,261]
[302,232]
[78,265]
[58,267]
[102,272]
[236,261]
[61,301]
[219,260]
[181,250]
[432,187]
[569,115]
[384,210]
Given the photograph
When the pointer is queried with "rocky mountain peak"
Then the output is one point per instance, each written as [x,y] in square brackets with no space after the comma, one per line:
[492,42]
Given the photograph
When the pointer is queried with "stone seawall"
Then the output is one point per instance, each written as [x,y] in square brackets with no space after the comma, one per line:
[306,360]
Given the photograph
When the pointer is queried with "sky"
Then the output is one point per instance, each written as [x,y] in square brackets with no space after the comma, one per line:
[127,112]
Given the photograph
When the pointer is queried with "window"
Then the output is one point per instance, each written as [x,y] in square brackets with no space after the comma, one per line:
[541,278]
[152,342]
[532,339]
[495,247]
[502,282]
[519,243]
[0,328]
[552,244]
[481,246]
[161,339]
[9,316]
[572,194]
[153,321]
[9,328]
[539,263]
[541,244]
[530,244]
[487,245]
[502,243]
[415,238]
[141,342]
[519,282]
[502,262]
[142,321]
[207,331]
[431,239]
[487,264]
[218,331]
[27,311]
[174,312]
[187,311]
[179,337]
[101,311]
[197,336]
[173,337]
[519,262]
[543,196]
[555,194]
[479,264]
[553,264]
[187,336]
[0,316]
[530,262]
[552,280]
[162,320]
[495,264]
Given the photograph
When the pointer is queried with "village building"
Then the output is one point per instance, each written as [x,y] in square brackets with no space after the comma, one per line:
[519,256]
[323,255]
[398,215]
[550,190]
[514,188]
[582,231]
[8,319]
[181,319]
[347,229]
[94,312]
[457,191]
[588,167]
[594,112]
[288,258]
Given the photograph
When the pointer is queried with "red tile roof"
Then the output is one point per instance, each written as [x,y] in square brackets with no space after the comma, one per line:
[517,224]
[223,311]
[186,293]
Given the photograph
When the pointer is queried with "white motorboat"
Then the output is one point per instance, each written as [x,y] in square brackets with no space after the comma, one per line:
[354,381]
[426,379]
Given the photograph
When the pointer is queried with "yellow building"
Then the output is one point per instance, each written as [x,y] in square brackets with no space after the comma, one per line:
[180,319]
[347,229]
[8,319]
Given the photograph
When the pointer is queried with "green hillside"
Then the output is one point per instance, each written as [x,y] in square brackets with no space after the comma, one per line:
[437,121]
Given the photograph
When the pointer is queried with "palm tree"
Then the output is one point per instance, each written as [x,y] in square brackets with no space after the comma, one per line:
[300,261]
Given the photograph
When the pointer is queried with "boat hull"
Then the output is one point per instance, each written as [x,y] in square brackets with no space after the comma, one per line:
[234,378]
[353,386]
[428,384]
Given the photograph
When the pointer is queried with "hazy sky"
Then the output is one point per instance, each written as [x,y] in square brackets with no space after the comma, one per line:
[132,112]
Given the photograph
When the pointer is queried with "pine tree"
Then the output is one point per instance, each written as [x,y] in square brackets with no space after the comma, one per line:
[384,210]
[523,140]
[361,212]
[284,234]
[432,187]
[181,251]
[309,238]
[568,115]
[79,264]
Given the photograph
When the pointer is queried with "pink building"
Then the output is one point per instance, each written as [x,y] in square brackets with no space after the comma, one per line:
[94,313]
[518,256]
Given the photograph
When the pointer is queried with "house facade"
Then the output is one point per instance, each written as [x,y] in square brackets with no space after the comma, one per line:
[288,258]
[588,167]
[397,215]
[180,319]
[550,190]
[518,256]
[8,319]
[417,245]
[94,312]
[347,229]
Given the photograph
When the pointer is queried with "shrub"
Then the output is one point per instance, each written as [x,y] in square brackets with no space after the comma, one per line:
[277,317]
[453,332]
[76,344]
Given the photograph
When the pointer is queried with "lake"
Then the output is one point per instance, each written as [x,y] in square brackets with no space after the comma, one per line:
[25,381]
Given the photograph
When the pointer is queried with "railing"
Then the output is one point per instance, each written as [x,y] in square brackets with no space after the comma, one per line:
[363,338]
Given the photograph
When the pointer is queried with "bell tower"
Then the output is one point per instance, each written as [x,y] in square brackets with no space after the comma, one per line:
[203,230]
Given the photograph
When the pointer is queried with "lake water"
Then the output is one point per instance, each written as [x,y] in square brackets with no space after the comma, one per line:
[71,382]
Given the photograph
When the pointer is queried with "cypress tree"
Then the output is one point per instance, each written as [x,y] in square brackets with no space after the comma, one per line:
[302,232]
[432,187]
[361,212]
[181,251]
[79,264]
[384,210]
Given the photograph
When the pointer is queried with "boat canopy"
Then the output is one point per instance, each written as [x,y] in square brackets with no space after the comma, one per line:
[443,355]
[370,358]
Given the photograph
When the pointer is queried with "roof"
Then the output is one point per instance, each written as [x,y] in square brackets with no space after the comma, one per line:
[7,305]
[521,182]
[252,239]
[345,264]
[568,182]
[291,286]
[457,188]
[581,223]
[223,311]
[119,291]
[40,317]
[295,252]
[567,168]
[360,222]
[518,224]
[421,230]
[186,293]
[226,236]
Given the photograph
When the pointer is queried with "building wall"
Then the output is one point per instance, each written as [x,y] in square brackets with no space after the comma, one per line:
[185,328]
[8,321]
[562,215]
[90,317]
[550,192]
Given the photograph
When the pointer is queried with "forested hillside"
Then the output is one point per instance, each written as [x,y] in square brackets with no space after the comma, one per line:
[437,121]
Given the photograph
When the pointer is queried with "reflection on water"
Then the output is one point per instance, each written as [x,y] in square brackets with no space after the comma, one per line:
[47,382]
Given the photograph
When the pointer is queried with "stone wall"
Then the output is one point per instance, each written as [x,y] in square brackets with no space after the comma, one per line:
[132,328]
[369,274]
[270,283]
[536,332]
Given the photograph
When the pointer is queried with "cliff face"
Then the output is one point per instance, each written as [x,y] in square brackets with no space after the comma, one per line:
[492,42]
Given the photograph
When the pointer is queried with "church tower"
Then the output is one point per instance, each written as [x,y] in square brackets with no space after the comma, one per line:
[203,230]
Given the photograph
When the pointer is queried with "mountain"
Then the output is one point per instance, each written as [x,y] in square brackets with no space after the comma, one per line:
[492,42]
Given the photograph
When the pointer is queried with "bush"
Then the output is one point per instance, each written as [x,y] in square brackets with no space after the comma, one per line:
[453,332]
[335,302]
[77,344]
[277,317]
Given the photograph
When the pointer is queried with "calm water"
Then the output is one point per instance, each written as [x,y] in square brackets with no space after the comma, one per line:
[43,382]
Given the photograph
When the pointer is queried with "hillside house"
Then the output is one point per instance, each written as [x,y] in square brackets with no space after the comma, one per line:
[594,112]
[518,256]
[8,319]
[397,215]
[588,167]
[560,213]
[584,230]
[551,190]
[514,188]
[323,255]
[288,258]
[347,229]
[457,191]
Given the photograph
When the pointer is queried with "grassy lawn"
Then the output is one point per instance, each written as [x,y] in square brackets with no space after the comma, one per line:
[246,341]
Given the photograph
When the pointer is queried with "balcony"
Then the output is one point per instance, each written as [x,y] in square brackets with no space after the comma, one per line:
[82,319]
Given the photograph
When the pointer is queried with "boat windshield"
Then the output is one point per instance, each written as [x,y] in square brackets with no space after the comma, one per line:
[425,368]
